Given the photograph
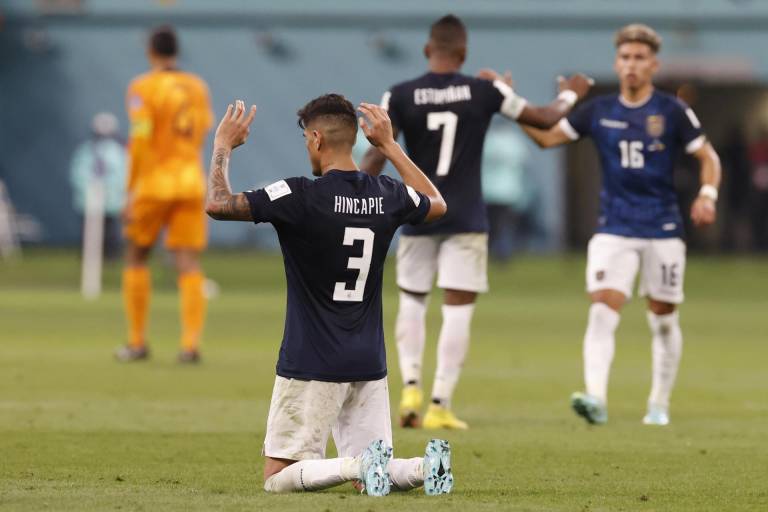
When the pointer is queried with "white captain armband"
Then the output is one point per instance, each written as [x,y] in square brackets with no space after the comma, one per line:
[709,191]
[277,190]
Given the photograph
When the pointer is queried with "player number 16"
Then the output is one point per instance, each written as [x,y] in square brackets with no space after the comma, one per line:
[632,154]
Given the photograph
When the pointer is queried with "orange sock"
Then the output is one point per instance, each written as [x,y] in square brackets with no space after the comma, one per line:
[137,289]
[193,305]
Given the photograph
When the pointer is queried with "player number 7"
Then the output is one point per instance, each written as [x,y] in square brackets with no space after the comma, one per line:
[448,120]
[363,264]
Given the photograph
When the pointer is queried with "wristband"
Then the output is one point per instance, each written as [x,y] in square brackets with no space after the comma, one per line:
[709,191]
[568,96]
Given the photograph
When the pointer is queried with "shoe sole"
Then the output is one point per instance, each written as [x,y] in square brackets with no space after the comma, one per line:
[410,420]
[437,468]
[376,477]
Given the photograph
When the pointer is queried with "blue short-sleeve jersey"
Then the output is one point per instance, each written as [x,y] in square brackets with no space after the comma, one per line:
[637,145]
[334,234]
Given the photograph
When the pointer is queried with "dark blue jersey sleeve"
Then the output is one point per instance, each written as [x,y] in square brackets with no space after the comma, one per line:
[413,205]
[278,203]
[579,122]
[689,131]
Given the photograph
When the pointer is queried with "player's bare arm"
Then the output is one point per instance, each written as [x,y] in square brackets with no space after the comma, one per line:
[555,136]
[378,130]
[373,161]
[572,89]
[704,209]
[233,130]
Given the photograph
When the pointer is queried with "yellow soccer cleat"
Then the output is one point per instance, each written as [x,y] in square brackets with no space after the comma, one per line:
[410,407]
[439,417]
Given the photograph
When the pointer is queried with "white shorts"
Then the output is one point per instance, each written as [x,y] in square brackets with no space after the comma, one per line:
[613,262]
[460,262]
[304,412]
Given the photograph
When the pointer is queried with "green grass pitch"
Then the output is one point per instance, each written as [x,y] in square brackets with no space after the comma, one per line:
[81,432]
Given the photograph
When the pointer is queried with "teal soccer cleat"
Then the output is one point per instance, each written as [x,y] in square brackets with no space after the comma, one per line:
[438,476]
[590,408]
[657,415]
[373,468]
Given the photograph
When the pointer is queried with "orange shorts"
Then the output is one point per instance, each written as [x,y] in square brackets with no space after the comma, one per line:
[185,220]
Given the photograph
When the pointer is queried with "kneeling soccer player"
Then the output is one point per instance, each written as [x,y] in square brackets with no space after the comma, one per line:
[334,233]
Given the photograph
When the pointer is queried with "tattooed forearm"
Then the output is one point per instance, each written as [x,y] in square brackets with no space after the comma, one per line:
[221,204]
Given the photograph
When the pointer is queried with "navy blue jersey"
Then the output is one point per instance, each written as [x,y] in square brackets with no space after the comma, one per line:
[638,146]
[334,234]
[443,118]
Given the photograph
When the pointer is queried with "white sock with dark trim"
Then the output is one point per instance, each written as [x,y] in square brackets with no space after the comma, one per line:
[313,475]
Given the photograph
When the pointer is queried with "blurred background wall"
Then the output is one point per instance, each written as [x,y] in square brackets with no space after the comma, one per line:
[61,61]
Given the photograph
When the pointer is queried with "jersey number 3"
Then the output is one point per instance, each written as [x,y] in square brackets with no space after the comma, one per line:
[448,120]
[363,264]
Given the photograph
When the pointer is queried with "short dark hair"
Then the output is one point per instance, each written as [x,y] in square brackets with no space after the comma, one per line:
[448,33]
[335,110]
[163,41]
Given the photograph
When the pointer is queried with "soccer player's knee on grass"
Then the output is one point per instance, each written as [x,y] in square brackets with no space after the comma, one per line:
[330,127]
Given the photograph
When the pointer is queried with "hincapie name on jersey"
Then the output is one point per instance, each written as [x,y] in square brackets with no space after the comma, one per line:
[452,94]
[358,205]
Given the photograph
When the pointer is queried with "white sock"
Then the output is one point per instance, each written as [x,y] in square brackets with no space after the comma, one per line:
[410,334]
[599,345]
[406,474]
[313,475]
[667,347]
[452,347]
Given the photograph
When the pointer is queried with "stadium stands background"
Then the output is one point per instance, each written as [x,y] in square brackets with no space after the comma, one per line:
[61,62]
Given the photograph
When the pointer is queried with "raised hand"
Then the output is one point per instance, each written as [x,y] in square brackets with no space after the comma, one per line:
[378,128]
[578,83]
[492,74]
[235,126]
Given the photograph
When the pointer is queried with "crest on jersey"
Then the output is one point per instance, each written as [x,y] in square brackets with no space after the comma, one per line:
[654,125]
[600,275]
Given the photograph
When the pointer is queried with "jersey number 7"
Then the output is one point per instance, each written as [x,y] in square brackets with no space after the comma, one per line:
[363,264]
[448,120]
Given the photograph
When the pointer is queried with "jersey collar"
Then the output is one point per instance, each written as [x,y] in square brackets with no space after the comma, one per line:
[636,104]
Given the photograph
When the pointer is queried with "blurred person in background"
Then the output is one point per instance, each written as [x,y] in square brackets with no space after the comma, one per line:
[506,189]
[758,197]
[103,156]
[170,114]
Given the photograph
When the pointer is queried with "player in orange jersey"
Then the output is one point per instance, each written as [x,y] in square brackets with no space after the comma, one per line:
[170,115]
